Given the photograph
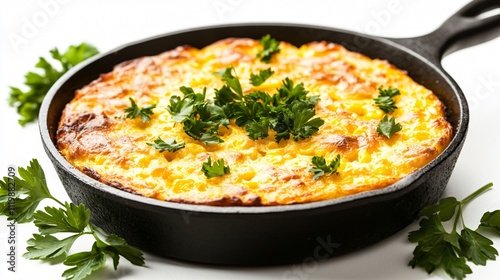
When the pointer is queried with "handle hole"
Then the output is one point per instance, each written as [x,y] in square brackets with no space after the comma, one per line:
[481,9]
[489,13]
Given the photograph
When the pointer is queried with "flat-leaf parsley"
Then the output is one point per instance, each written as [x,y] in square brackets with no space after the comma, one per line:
[320,167]
[387,127]
[68,218]
[270,47]
[259,79]
[216,169]
[134,111]
[384,100]
[28,102]
[438,248]
[170,144]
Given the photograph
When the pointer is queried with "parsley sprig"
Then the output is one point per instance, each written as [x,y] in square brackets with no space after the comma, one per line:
[384,100]
[289,112]
[170,144]
[28,102]
[232,82]
[320,167]
[216,169]
[270,46]
[134,111]
[201,119]
[68,218]
[387,127]
[438,248]
[259,79]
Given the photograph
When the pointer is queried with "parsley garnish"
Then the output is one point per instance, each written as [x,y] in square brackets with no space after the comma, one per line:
[257,80]
[384,100]
[134,111]
[168,145]
[294,120]
[216,170]
[28,102]
[289,112]
[387,127]
[232,81]
[320,167]
[67,218]
[270,47]
[200,118]
[438,248]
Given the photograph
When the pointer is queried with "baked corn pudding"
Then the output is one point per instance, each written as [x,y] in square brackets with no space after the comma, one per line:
[249,122]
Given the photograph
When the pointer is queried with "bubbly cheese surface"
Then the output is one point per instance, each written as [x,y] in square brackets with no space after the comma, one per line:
[94,137]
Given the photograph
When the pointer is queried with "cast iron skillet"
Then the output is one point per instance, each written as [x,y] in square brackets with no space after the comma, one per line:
[277,234]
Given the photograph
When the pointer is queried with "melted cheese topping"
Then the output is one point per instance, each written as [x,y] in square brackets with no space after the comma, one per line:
[263,172]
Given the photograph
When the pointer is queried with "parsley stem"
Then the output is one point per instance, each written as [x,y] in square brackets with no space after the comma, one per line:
[458,217]
[56,200]
[465,201]
[94,233]
[476,194]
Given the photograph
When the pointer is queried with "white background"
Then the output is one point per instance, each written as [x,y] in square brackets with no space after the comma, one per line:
[108,24]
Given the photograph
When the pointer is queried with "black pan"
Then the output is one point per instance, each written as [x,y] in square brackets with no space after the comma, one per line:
[277,234]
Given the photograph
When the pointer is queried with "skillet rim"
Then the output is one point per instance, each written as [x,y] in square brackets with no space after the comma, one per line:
[397,189]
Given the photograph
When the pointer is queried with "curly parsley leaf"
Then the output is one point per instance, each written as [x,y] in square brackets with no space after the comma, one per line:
[387,127]
[28,102]
[257,80]
[270,47]
[439,249]
[134,111]
[170,145]
[384,100]
[320,167]
[31,189]
[216,169]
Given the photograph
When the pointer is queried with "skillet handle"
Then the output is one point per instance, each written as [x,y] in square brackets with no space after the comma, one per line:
[468,27]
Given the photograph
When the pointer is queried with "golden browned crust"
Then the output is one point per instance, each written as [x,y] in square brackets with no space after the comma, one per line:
[263,172]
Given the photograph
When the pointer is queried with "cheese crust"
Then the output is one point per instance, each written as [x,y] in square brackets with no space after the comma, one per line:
[95,139]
